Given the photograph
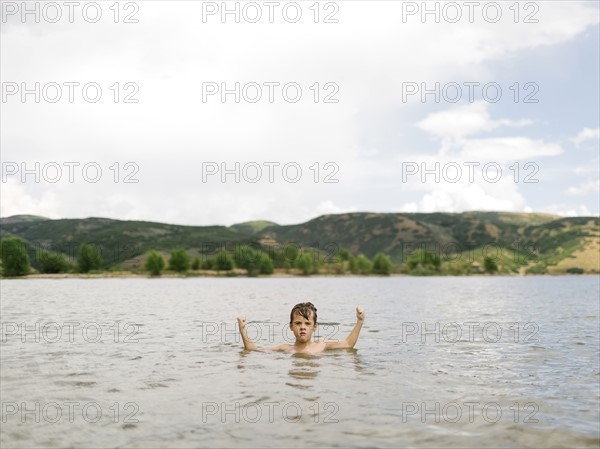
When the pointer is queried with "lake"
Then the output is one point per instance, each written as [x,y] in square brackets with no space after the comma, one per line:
[440,362]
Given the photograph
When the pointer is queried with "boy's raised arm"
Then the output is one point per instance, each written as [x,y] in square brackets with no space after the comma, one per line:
[241,319]
[248,344]
[350,340]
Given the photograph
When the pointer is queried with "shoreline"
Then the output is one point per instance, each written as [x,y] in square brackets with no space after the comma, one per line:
[132,275]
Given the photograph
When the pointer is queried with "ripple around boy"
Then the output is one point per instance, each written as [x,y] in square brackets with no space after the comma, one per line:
[303,322]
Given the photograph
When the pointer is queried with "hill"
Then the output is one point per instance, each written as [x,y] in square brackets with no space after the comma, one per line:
[394,233]
[534,240]
[536,243]
[21,218]
[119,241]
[252,227]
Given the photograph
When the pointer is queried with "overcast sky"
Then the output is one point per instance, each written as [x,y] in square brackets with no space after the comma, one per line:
[167,126]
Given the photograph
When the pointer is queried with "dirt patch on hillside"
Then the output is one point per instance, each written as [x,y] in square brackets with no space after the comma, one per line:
[587,258]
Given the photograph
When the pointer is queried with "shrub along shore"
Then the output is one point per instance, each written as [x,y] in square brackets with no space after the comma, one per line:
[248,261]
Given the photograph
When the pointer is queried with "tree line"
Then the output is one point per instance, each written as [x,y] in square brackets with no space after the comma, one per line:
[258,262]
[15,261]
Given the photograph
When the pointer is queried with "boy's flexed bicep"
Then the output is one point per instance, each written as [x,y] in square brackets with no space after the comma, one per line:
[351,339]
[249,345]
[337,344]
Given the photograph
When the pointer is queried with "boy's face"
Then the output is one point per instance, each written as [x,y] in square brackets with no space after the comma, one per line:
[303,328]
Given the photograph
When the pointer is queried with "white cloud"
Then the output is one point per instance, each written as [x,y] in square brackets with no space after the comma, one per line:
[462,187]
[329,207]
[583,170]
[460,198]
[464,120]
[506,149]
[369,54]
[590,186]
[410,208]
[566,210]
[586,134]
[16,200]
[459,186]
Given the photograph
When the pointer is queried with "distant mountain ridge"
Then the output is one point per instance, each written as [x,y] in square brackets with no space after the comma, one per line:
[370,233]
[21,218]
[252,227]
[558,241]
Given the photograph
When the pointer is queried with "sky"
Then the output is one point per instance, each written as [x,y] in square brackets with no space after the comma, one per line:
[206,113]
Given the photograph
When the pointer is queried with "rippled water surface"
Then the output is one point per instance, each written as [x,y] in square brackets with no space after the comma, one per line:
[477,362]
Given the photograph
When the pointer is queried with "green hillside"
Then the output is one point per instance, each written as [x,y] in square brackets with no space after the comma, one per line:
[119,241]
[394,234]
[22,218]
[252,227]
[535,243]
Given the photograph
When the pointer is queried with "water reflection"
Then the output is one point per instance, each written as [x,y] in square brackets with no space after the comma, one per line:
[363,391]
[305,368]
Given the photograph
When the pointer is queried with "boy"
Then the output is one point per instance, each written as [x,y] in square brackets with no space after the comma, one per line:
[303,322]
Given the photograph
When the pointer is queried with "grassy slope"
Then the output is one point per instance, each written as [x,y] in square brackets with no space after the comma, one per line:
[547,241]
[120,240]
[22,218]
[252,227]
[395,234]
[515,239]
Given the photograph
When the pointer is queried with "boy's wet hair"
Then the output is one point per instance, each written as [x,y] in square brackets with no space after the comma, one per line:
[305,309]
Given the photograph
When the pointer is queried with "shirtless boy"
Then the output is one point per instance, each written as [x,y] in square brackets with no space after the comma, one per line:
[303,323]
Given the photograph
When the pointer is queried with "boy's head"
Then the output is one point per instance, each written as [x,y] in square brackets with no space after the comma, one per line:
[305,310]
[303,321]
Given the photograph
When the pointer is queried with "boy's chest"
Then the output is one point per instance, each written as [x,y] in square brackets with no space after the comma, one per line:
[318,346]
